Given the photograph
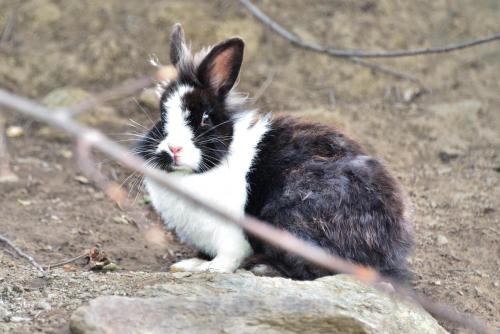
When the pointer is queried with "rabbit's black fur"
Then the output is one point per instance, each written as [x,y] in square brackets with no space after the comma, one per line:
[321,186]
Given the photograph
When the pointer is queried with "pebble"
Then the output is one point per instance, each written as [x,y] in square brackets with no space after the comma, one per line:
[43,305]
[14,131]
[441,240]
[81,179]
[19,319]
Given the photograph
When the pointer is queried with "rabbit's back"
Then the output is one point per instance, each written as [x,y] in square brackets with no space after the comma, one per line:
[320,185]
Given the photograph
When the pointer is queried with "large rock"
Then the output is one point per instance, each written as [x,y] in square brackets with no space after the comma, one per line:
[243,303]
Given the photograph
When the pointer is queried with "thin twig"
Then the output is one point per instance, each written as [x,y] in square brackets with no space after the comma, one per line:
[389,71]
[6,174]
[335,52]
[112,189]
[7,29]
[23,254]
[62,263]
[258,228]
[265,85]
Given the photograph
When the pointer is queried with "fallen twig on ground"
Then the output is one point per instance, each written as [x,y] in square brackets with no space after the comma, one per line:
[22,254]
[279,238]
[68,261]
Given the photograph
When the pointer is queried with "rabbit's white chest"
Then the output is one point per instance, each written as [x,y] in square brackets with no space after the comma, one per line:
[192,225]
[224,186]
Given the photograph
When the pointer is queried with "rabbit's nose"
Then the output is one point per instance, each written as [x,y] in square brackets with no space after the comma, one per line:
[175,149]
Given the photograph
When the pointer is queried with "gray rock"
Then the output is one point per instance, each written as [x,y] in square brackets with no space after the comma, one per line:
[244,303]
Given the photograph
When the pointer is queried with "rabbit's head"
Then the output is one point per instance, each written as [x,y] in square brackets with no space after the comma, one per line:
[198,108]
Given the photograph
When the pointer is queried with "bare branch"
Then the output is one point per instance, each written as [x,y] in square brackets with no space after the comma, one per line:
[22,254]
[265,85]
[389,71]
[260,229]
[8,28]
[6,174]
[112,189]
[335,52]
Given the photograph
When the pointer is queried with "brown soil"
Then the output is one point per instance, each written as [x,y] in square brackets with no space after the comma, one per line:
[444,146]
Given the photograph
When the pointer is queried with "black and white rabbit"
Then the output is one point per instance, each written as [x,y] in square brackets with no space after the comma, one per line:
[306,178]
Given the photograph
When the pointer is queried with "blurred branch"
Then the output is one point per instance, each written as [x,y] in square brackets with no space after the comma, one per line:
[389,71]
[113,190]
[19,252]
[6,33]
[265,85]
[6,174]
[90,137]
[334,52]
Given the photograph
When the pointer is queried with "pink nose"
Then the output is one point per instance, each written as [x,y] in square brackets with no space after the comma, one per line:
[175,149]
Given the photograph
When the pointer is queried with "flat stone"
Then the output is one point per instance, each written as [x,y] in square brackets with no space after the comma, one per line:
[244,303]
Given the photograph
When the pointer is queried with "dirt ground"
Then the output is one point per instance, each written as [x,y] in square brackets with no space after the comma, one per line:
[442,143]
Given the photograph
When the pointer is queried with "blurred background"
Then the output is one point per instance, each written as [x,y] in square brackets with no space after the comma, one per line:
[441,137]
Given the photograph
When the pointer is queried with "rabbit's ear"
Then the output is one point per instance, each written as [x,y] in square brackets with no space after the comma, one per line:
[178,48]
[220,68]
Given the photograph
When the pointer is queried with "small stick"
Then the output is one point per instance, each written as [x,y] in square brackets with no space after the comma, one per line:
[265,85]
[23,254]
[112,189]
[62,263]
[389,71]
[6,174]
[7,29]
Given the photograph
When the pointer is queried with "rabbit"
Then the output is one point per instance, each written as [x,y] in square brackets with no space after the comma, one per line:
[306,178]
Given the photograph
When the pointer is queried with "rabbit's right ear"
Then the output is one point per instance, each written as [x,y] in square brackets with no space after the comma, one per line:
[178,48]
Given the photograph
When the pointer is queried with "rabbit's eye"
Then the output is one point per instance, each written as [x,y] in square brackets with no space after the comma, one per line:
[205,119]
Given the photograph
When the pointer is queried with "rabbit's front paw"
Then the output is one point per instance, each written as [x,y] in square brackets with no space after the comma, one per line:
[192,265]
[219,266]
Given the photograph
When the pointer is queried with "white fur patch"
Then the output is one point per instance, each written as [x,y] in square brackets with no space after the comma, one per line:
[224,186]
[179,134]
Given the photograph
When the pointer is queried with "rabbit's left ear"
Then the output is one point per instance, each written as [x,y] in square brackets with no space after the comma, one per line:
[220,68]
[178,48]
